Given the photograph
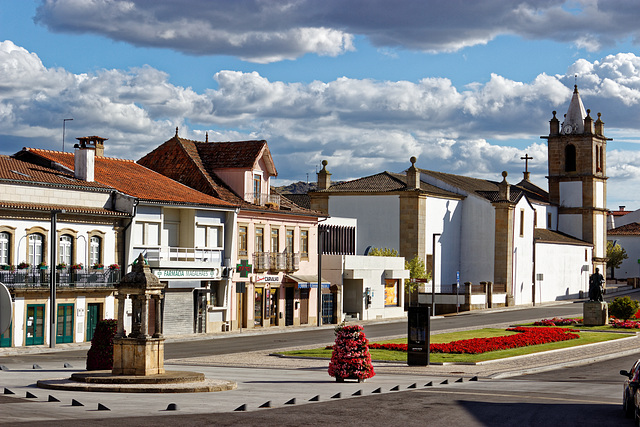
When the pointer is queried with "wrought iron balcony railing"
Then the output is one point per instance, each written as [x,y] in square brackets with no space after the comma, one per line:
[40,278]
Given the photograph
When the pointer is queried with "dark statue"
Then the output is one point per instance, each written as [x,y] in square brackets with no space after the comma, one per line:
[595,286]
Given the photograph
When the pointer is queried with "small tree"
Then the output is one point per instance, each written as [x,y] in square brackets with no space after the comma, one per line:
[100,355]
[382,252]
[615,255]
[623,307]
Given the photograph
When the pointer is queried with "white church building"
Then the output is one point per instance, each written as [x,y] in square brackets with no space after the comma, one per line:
[535,245]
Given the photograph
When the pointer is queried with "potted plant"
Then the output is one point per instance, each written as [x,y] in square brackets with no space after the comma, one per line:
[78,266]
[23,265]
[114,267]
[61,266]
[8,267]
[43,265]
[97,266]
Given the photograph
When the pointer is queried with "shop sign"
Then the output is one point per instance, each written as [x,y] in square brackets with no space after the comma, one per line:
[267,279]
[185,273]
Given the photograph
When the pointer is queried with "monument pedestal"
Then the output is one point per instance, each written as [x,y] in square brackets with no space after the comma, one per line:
[595,313]
[135,356]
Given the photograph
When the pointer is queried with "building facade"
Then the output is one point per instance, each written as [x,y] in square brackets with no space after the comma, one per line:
[81,252]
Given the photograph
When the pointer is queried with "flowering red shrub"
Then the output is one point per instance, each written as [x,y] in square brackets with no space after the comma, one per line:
[558,321]
[525,337]
[624,324]
[350,357]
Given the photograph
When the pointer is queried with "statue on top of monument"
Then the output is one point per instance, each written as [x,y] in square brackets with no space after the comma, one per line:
[595,286]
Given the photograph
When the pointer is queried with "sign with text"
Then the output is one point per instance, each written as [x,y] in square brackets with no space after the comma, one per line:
[186,273]
[244,268]
[267,279]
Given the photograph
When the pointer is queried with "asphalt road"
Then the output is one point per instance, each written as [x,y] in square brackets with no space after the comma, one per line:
[585,395]
[237,342]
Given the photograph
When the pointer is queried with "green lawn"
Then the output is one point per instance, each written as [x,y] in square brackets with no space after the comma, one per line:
[389,355]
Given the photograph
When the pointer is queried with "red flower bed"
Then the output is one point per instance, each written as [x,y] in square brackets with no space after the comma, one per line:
[525,337]
[558,321]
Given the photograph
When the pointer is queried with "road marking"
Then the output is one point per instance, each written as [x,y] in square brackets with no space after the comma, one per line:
[562,399]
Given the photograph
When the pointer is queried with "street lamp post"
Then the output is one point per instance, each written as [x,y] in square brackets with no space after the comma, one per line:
[52,276]
[433,274]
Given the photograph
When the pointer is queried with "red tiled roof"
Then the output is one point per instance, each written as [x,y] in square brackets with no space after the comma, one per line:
[632,229]
[195,163]
[12,169]
[133,179]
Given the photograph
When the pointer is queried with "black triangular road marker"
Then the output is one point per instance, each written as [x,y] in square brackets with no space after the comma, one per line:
[315,398]
[101,407]
[291,401]
[378,390]
[242,407]
[68,365]
[429,384]
[36,366]
[52,399]
[357,393]
[31,396]
[75,403]
[459,380]
[7,391]
[172,407]
[336,396]
[445,382]
[266,404]
[474,379]
[396,388]
[414,385]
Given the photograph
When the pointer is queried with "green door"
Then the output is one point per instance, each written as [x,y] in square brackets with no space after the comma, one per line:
[35,324]
[64,324]
[5,338]
[93,315]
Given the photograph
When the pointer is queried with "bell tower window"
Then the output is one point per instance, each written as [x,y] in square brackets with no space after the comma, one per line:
[570,158]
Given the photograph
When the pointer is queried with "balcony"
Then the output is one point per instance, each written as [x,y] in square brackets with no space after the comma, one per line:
[173,256]
[37,278]
[263,199]
[261,262]
[266,261]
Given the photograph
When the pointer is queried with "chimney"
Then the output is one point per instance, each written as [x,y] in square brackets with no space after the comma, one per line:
[413,175]
[622,208]
[95,142]
[84,163]
[84,158]
[324,177]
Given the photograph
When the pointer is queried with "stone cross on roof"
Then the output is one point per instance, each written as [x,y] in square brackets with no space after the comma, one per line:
[526,159]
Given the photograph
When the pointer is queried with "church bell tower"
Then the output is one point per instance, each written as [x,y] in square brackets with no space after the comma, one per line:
[577,177]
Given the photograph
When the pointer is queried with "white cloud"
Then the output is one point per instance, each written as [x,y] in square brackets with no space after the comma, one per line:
[274,30]
[361,126]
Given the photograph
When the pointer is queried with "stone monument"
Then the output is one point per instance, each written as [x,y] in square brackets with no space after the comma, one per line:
[595,311]
[139,353]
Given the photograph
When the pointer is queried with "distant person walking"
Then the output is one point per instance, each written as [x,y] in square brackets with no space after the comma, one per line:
[595,286]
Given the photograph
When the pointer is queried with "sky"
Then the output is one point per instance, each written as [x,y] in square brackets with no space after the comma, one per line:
[466,87]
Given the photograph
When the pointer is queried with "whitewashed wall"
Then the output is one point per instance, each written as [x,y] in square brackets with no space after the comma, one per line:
[523,253]
[629,267]
[378,218]
[477,240]
[444,216]
[563,270]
